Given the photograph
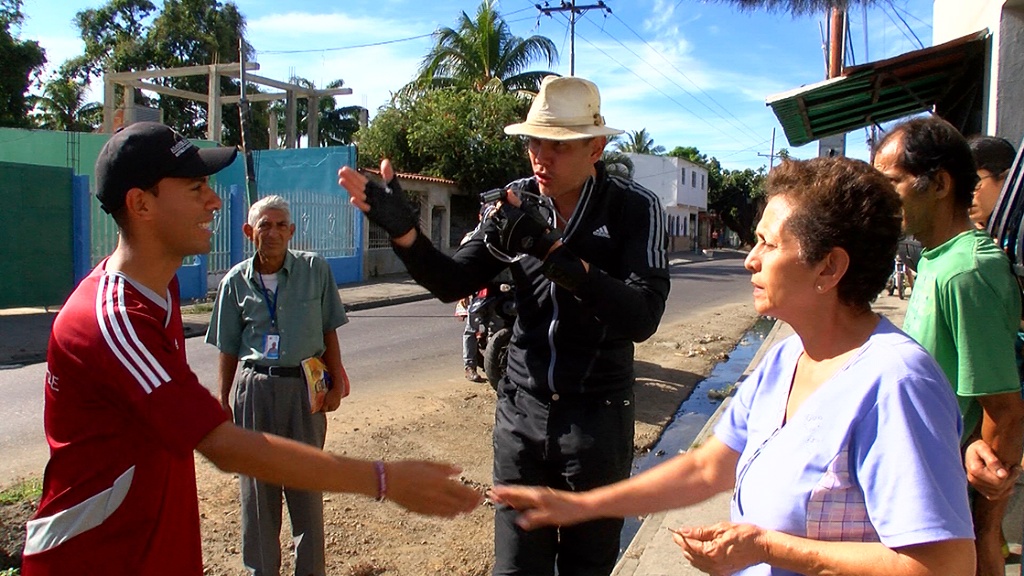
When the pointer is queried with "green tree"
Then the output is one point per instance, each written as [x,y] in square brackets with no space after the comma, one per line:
[191,33]
[126,35]
[482,54]
[640,142]
[737,197]
[690,153]
[114,38]
[448,133]
[22,60]
[63,106]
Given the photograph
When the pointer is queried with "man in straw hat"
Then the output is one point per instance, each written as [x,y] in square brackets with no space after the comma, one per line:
[588,253]
[124,412]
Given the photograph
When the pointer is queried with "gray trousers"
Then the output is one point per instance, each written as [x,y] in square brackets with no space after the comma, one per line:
[279,406]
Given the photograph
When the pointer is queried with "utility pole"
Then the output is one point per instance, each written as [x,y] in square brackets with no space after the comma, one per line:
[771,155]
[244,116]
[835,145]
[574,11]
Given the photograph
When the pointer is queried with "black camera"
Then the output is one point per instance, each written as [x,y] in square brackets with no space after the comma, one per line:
[492,196]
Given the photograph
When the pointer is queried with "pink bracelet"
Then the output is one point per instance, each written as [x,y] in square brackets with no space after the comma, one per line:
[382,481]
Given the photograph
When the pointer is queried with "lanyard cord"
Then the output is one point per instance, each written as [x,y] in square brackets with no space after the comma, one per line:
[270,299]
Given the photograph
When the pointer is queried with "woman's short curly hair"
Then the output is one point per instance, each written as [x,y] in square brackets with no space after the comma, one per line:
[844,203]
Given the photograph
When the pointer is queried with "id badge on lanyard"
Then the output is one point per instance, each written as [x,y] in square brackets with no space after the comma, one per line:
[271,340]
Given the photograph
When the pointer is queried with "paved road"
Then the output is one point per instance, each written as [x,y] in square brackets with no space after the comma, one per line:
[384,350]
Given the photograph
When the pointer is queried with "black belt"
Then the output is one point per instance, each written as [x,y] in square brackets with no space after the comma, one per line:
[277,371]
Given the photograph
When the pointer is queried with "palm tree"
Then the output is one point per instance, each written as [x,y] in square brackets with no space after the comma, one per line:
[639,142]
[335,127]
[62,106]
[482,54]
[795,7]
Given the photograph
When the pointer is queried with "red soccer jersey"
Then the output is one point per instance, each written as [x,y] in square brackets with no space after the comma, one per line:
[123,415]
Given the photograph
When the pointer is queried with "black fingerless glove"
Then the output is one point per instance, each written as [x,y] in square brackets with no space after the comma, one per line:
[563,268]
[390,209]
[523,230]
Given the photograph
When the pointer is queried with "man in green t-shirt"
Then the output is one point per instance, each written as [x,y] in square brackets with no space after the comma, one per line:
[965,305]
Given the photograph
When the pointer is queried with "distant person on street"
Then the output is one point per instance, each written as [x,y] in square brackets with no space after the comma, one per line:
[965,307]
[842,446]
[124,412]
[993,158]
[272,312]
[588,254]
[470,344]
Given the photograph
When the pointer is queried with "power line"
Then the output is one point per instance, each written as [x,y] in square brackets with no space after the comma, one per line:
[573,11]
[352,47]
[910,14]
[911,37]
[683,74]
[373,44]
[907,26]
[644,80]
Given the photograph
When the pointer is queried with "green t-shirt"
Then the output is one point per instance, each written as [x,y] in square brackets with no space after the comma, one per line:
[307,306]
[965,311]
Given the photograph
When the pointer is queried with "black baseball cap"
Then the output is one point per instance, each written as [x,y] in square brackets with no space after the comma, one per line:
[143,153]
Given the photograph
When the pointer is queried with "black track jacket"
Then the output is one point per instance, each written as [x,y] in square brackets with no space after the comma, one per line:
[565,342]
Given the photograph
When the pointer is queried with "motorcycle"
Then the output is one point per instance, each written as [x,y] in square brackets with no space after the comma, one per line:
[495,309]
[898,280]
[904,267]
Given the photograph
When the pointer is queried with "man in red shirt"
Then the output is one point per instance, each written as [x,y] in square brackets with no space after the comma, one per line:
[124,411]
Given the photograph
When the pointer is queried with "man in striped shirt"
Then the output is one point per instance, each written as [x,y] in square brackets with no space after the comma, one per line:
[124,412]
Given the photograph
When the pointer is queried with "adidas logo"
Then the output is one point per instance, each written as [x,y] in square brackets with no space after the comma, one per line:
[602,232]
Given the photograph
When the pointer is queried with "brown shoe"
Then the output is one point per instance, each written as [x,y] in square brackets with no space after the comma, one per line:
[472,375]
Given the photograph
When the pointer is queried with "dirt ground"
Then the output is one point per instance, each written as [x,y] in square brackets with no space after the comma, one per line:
[448,422]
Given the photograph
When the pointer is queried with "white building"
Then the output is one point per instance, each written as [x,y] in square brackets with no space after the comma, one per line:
[683,189]
[999,106]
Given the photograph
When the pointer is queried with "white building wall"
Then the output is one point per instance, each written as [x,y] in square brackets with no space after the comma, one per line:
[682,187]
[1005,77]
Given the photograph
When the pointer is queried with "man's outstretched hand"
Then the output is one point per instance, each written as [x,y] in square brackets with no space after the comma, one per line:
[385,206]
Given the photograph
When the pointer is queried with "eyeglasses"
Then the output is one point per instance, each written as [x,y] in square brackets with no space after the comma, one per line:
[981,179]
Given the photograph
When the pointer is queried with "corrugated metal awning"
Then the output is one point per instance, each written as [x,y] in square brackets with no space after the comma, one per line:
[881,91]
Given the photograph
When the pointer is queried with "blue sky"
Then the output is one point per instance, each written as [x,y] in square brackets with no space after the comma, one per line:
[692,73]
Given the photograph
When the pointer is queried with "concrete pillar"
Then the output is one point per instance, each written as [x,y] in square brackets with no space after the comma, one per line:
[129,105]
[291,125]
[313,119]
[213,110]
[109,105]
[272,128]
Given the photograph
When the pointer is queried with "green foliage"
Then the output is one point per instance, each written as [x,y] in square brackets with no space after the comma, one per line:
[336,126]
[639,142]
[482,54]
[617,163]
[450,134]
[128,35]
[25,491]
[22,60]
[62,106]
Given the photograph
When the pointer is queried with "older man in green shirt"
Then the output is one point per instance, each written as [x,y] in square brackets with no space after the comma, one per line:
[965,306]
[272,312]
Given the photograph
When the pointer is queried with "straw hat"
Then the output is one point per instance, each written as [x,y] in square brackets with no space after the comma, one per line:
[566,108]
